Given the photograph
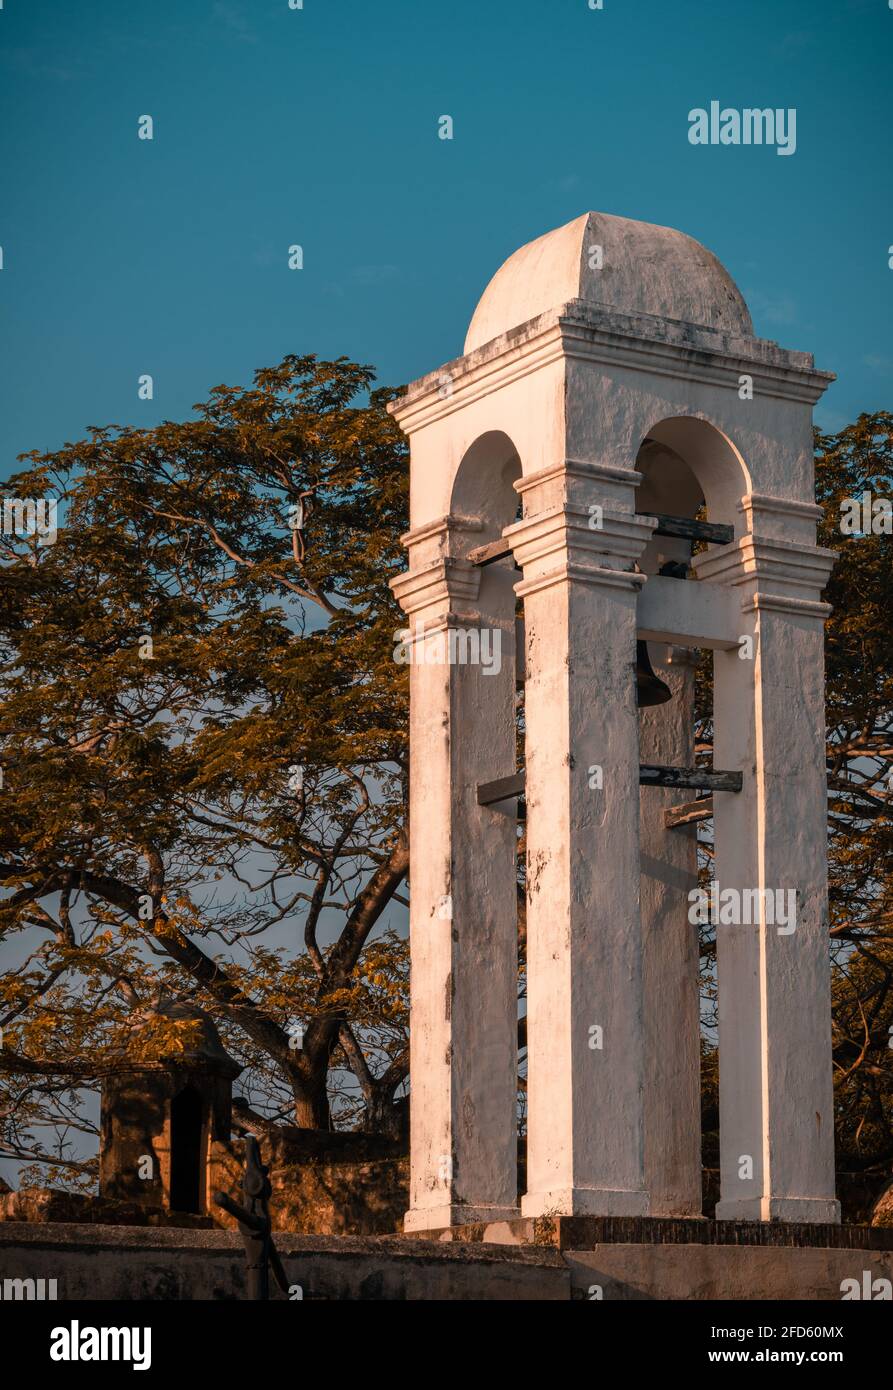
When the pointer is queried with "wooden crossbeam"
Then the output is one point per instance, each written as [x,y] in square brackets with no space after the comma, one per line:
[713,531]
[688,812]
[490,553]
[697,778]
[500,790]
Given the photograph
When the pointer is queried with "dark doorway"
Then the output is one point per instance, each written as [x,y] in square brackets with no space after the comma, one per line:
[186,1151]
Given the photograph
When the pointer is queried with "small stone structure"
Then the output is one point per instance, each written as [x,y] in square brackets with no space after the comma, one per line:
[178,1113]
[612,381]
[167,1144]
[160,1120]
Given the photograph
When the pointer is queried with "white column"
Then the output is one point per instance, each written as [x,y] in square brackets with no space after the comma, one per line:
[463,910]
[584,967]
[776,1100]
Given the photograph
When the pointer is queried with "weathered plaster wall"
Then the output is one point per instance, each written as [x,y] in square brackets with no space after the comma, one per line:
[132,1263]
[127,1263]
[699,1272]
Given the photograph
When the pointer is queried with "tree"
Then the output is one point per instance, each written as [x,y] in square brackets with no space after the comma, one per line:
[203,736]
[859,706]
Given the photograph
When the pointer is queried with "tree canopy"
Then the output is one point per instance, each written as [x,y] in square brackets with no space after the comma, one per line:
[203,740]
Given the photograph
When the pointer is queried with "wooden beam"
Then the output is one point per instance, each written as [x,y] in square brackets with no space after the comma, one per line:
[505,788]
[489,793]
[491,552]
[714,532]
[688,812]
[697,778]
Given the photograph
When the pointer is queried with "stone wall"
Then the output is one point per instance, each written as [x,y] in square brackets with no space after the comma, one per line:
[126,1263]
[40,1205]
[633,1273]
[135,1263]
[323,1184]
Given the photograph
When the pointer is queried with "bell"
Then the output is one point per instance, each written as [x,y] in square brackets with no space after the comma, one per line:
[650,689]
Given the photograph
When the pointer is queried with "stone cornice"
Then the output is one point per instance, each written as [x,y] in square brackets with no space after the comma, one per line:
[559,544]
[774,574]
[450,619]
[599,576]
[784,603]
[756,556]
[437,585]
[440,528]
[756,502]
[579,468]
[584,331]
[664,347]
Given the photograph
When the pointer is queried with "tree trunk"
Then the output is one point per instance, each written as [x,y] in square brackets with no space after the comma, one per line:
[312,1104]
[386,1116]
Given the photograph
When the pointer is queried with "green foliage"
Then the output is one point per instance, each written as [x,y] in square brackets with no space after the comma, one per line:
[218,808]
[859,704]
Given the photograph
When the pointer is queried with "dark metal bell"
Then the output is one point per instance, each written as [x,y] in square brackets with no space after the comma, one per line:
[650,689]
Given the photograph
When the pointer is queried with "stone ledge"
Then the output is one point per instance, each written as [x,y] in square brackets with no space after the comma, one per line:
[697,345]
[87,1263]
[21,1234]
[585,1232]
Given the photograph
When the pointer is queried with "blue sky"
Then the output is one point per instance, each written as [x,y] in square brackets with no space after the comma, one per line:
[319,126]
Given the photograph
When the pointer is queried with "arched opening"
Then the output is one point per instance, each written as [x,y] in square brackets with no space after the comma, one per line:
[187,1133]
[483,486]
[484,492]
[708,454]
[691,471]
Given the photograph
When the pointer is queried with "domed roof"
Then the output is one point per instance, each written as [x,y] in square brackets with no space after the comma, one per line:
[203,1051]
[205,1047]
[645,270]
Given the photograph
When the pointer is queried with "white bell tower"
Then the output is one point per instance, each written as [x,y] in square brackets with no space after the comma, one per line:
[611,381]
